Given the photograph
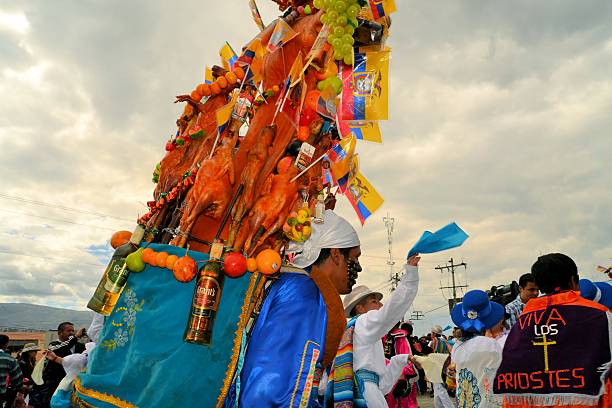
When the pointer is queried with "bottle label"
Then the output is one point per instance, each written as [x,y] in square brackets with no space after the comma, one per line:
[206,299]
[116,275]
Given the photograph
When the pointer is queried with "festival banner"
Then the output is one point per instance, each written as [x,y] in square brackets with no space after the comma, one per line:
[228,56]
[282,34]
[365,87]
[382,8]
[256,15]
[361,129]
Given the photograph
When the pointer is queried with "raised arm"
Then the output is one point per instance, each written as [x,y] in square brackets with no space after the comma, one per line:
[373,325]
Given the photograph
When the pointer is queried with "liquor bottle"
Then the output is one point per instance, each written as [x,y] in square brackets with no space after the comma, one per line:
[319,208]
[206,298]
[115,276]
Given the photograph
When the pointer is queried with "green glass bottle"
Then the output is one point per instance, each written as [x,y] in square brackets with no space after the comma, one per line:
[115,276]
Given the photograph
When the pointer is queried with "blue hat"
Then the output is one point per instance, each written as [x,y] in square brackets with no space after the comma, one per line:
[600,292]
[477,313]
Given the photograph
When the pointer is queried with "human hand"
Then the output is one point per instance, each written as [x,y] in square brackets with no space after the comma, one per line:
[80,333]
[414,260]
[49,355]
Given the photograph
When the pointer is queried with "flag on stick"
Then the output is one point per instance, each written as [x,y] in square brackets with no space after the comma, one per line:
[365,87]
[363,197]
[282,34]
[208,75]
[382,8]
[361,129]
[228,56]
[256,15]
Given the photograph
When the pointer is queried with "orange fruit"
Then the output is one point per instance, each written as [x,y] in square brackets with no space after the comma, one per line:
[148,256]
[185,269]
[231,78]
[215,88]
[251,265]
[275,89]
[303,133]
[160,259]
[202,89]
[312,99]
[205,91]
[268,262]
[119,238]
[195,95]
[170,260]
[222,82]
[239,73]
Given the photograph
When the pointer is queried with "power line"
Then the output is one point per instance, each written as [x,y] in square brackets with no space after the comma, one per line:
[49,258]
[60,207]
[452,302]
[56,219]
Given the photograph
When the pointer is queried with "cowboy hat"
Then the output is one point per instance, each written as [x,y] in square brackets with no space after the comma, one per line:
[357,295]
[600,292]
[30,347]
[437,329]
[476,312]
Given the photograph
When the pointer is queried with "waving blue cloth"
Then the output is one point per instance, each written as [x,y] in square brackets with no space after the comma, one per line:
[286,343]
[448,237]
[141,358]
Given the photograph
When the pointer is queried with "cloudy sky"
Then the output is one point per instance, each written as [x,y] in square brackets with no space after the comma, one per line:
[500,121]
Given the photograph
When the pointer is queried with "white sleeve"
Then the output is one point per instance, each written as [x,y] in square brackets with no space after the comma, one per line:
[372,326]
[392,373]
[95,327]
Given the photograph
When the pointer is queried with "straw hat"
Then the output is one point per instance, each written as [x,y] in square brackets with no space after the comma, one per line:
[357,295]
[30,347]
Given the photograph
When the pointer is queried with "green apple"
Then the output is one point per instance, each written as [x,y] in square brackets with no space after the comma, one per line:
[134,261]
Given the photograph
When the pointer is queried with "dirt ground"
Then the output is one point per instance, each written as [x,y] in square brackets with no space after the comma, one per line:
[425,401]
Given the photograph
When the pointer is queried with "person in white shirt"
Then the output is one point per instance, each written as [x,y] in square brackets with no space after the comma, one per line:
[374,321]
[476,357]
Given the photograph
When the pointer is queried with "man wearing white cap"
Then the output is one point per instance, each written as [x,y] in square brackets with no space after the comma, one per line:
[301,320]
[369,322]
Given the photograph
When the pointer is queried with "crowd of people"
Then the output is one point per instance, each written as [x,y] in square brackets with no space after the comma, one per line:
[310,348]
[30,381]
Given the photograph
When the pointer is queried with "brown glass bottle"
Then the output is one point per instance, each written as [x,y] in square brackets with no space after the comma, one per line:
[206,298]
[115,276]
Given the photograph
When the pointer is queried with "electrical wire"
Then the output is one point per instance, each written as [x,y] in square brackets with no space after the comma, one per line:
[60,207]
[56,219]
[49,258]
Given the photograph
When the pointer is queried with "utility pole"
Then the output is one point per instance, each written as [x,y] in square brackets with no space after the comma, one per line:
[451,267]
[417,315]
[393,277]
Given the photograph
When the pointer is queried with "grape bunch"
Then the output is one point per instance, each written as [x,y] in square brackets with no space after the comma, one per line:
[341,17]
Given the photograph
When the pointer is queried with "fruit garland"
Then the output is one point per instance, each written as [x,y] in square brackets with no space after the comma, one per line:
[223,83]
[168,197]
[184,269]
[194,133]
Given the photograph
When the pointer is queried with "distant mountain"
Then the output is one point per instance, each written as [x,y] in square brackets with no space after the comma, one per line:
[25,316]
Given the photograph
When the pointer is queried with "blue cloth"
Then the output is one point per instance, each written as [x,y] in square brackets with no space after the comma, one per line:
[141,357]
[448,237]
[285,345]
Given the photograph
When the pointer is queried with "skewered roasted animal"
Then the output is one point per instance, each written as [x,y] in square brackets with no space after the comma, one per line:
[256,158]
[269,211]
[179,161]
[212,189]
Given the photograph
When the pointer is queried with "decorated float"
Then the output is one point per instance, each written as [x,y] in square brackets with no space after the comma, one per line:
[262,147]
